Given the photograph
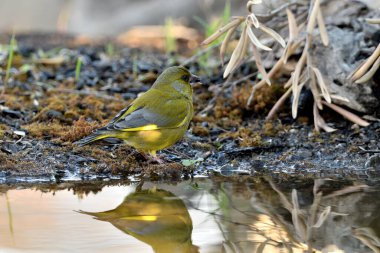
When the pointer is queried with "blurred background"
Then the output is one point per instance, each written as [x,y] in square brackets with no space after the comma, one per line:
[132,23]
[99,18]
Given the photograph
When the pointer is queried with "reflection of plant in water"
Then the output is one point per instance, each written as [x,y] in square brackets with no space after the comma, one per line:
[368,237]
[306,221]
[9,210]
[282,222]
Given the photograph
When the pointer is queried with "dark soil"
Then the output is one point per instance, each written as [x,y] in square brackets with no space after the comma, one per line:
[44,101]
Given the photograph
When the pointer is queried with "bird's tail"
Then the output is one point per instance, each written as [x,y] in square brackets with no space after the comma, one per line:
[98,135]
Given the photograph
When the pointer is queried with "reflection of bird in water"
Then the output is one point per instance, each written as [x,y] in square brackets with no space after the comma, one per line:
[155,217]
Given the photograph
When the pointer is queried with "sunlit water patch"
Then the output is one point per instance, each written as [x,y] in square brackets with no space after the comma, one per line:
[250,215]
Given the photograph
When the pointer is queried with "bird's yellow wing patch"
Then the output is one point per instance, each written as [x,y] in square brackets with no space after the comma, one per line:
[142,128]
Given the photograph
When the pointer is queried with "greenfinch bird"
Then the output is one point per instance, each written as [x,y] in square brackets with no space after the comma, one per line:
[158,118]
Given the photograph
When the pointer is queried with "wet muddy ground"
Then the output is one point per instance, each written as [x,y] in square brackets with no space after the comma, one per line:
[48,104]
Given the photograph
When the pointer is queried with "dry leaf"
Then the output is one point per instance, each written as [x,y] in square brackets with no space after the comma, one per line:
[367,76]
[322,29]
[374,21]
[347,190]
[273,34]
[259,64]
[236,54]
[313,17]
[251,3]
[322,84]
[348,115]
[293,28]
[366,65]
[253,20]
[234,23]
[225,42]
[322,218]
[315,92]
[319,122]
[299,67]
[255,41]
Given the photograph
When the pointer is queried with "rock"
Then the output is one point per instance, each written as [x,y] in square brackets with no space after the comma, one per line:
[373,162]
[53,114]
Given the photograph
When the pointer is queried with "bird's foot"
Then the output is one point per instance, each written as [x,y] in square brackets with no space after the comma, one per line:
[157,160]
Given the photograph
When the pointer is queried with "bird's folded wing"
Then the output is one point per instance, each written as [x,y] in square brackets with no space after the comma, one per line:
[168,114]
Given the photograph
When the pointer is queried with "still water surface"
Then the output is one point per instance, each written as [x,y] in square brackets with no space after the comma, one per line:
[203,215]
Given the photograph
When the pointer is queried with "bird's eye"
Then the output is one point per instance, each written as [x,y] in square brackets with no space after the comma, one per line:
[186,78]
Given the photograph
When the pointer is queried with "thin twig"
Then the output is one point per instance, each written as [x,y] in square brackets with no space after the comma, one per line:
[245,78]
[365,151]
[279,64]
[279,103]
[268,16]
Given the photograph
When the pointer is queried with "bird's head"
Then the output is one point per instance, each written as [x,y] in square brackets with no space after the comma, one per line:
[176,79]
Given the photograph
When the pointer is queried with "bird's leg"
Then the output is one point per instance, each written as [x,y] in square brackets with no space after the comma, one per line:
[155,158]
[152,157]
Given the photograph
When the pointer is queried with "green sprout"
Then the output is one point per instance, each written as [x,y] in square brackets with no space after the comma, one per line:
[209,29]
[12,45]
[77,68]
[191,162]
[110,49]
[170,41]
[215,24]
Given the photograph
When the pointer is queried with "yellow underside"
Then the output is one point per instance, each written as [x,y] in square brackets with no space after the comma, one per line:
[152,140]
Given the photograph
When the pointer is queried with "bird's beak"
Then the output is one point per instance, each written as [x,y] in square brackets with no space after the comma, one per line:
[194,79]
